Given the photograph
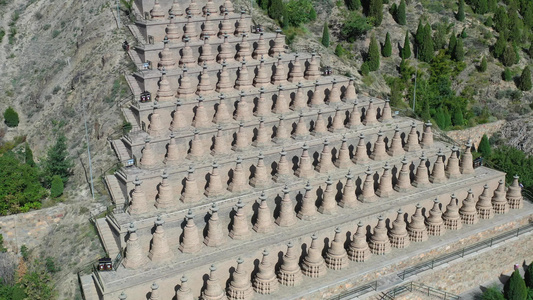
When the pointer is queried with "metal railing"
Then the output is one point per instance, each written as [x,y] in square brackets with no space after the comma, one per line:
[443,259]
[413,286]
[357,291]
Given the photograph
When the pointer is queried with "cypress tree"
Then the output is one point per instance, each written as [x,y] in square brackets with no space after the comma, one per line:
[375,11]
[264,4]
[484,146]
[387,48]
[458,119]
[458,52]
[400,13]
[499,47]
[509,56]
[325,35]
[419,35]
[460,16]
[28,155]
[483,65]
[515,287]
[489,22]
[530,51]
[447,118]
[525,80]
[426,50]
[440,119]
[406,50]
[515,27]
[528,276]
[284,18]
[452,43]
[373,55]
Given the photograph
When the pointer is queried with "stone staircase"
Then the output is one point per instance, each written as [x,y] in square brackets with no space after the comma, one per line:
[107,237]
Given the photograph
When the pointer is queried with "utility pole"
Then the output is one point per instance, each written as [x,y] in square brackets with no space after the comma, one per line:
[88,149]
[118,14]
[414,92]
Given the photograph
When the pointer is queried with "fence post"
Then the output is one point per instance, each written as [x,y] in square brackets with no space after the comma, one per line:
[518,231]
[463,255]
[432,261]
[491,242]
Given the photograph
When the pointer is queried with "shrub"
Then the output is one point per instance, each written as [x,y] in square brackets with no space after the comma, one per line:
[339,50]
[353,4]
[488,22]
[364,69]
[55,33]
[57,187]
[515,288]
[492,293]
[507,75]
[11,117]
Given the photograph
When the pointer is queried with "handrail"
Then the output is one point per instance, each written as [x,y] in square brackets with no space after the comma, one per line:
[431,291]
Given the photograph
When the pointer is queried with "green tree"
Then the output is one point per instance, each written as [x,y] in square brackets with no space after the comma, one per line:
[515,288]
[492,293]
[458,53]
[452,43]
[299,12]
[325,35]
[375,11]
[500,20]
[457,117]
[439,36]
[482,7]
[528,276]
[373,55]
[483,65]
[484,146]
[400,13]
[57,161]
[440,118]
[264,4]
[2,248]
[387,47]
[460,16]
[507,74]
[285,19]
[57,187]
[353,4]
[492,5]
[355,26]
[28,155]
[37,282]
[499,47]
[489,22]
[419,35]
[11,117]
[406,50]
[275,11]
[509,56]
[524,84]
[425,49]
[515,27]
[20,188]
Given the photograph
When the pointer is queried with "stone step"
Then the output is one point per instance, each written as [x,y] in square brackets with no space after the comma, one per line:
[107,237]
[134,87]
[121,151]
[89,288]
[117,196]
